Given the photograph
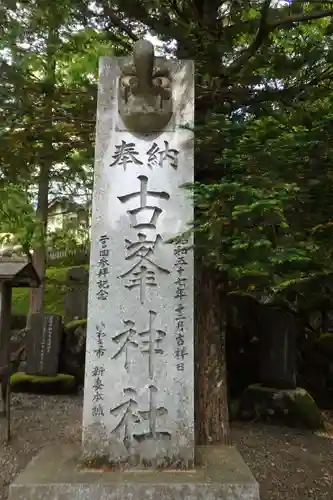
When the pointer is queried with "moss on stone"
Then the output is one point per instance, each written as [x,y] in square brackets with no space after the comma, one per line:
[325,343]
[75,323]
[19,377]
[61,383]
[73,352]
[292,407]
[97,463]
[306,408]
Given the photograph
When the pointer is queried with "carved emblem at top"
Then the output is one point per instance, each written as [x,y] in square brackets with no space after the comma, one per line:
[145,92]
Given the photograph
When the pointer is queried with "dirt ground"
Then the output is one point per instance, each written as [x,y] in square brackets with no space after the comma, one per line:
[289,464]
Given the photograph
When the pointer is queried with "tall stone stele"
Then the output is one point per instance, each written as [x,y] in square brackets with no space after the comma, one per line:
[139,390]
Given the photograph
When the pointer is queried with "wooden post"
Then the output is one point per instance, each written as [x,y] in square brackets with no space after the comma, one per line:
[5,312]
[8,397]
[5,315]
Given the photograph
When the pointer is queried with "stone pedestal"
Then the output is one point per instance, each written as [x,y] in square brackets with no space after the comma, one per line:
[220,474]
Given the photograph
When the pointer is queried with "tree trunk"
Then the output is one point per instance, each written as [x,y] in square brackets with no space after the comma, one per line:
[36,295]
[212,415]
[211,396]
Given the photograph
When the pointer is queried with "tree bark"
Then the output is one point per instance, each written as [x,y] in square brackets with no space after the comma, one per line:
[36,295]
[212,415]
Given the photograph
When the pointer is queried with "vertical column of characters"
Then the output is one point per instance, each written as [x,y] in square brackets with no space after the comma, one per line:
[180,252]
[98,372]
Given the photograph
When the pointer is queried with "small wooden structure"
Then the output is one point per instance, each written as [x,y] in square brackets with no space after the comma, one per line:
[15,272]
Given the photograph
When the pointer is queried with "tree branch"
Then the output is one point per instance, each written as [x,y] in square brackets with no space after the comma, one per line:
[109,13]
[138,12]
[262,35]
[300,18]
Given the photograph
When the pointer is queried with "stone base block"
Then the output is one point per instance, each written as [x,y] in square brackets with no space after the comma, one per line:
[291,407]
[54,474]
[61,383]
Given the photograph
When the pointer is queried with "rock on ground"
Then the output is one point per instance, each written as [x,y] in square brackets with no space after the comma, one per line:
[289,464]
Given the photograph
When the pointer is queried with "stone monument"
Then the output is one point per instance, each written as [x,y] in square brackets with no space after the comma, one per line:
[140,309]
[138,415]
[43,344]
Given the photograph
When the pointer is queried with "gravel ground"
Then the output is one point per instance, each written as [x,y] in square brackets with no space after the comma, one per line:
[36,421]
[289,464]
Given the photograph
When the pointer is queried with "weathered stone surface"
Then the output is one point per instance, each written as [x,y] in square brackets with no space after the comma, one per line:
[292,407]
[73,350]
[17,322]
[43,344]
[76,298]
[138,404]
[278,347]
[221,474]
[145,91]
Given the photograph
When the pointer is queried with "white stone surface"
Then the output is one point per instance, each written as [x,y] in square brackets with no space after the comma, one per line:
[144,409]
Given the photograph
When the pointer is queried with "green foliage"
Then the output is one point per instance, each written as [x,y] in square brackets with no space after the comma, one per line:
[48,59]
[69,239]
[49,67]
[247,54]
[55,290]
[248,235]
[263,133]
[265,220]
[48,92]
[19,224]
[263,128]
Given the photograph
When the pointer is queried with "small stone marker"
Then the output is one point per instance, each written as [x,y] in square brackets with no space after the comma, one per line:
[76,298]
[43,344]
[138,402]
[278,334]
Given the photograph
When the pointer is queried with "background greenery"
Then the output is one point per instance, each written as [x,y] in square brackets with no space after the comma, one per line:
[55,291]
